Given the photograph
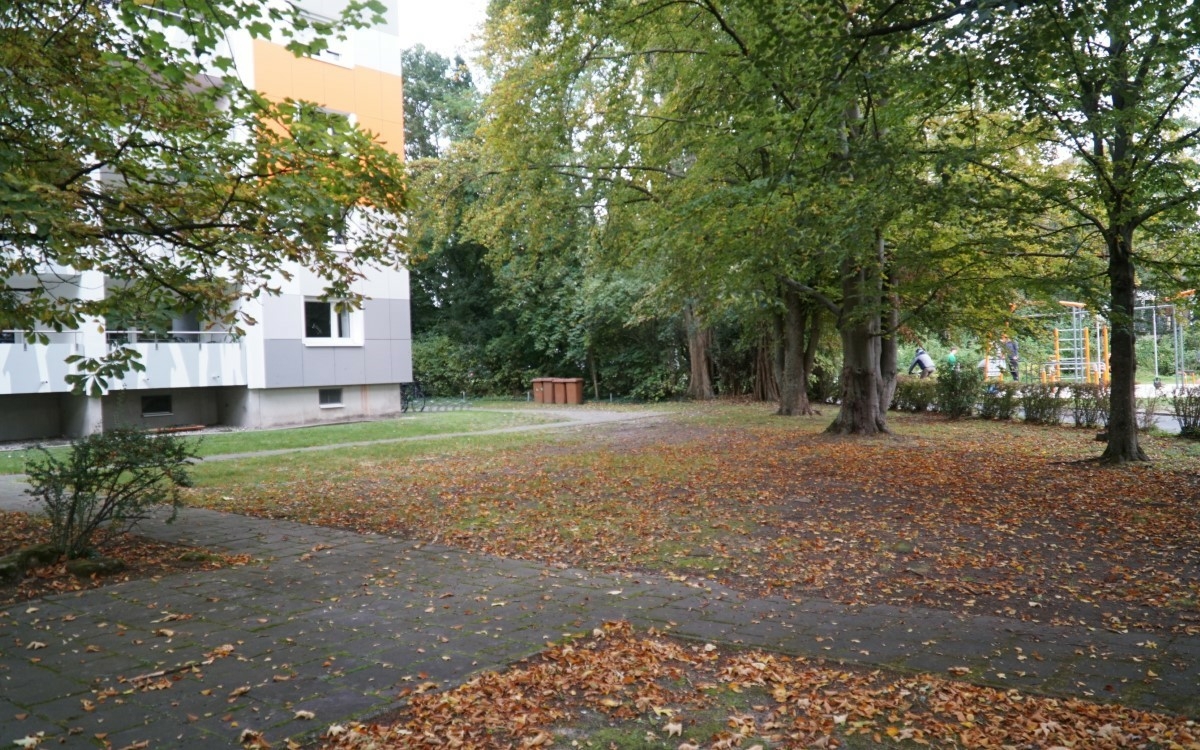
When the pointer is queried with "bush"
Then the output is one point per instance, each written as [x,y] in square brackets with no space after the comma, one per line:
[108,479]
[1148,412]
[914,394]
[999,400]
[1043,403]
[958,391]
[1089,403]
[1186,403]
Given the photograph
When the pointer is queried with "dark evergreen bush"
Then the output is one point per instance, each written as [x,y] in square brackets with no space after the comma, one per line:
[999,400]
[914,394]
[958,391]
[1043,403]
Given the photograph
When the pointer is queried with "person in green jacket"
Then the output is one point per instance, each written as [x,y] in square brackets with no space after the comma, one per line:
[952,358]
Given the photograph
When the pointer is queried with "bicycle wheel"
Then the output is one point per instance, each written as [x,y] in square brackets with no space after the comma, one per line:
[412,397]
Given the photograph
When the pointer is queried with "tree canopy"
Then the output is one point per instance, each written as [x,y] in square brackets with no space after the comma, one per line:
[129,146]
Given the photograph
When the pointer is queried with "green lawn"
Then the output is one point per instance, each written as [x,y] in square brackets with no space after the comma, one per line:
[409,426]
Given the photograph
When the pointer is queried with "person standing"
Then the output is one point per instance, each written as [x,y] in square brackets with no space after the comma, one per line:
[1012,353]
[952,358]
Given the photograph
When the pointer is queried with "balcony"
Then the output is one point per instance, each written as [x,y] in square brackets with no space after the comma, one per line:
[34,367]
[182,359]
[179,359]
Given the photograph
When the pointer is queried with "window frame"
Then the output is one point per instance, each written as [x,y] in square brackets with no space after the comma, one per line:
[344,326]
[322,393]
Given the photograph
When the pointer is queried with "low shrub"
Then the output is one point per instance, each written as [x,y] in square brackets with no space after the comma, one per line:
[1147,409]
[1186,402]
[1089,404]
[958,391]
[914,394]
[1043,403]
[109,479]
[999,400]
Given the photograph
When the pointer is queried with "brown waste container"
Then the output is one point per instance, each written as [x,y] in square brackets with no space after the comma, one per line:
[539,390]
[574,390]
[560,390]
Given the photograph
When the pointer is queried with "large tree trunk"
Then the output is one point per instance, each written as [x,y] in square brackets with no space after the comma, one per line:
[766,380]
[699,338]
[887,351]
[793,385]
[1123,444]
[859,327]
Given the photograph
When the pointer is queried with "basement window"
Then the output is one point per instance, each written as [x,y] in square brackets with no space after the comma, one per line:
[157,406]
[330,398]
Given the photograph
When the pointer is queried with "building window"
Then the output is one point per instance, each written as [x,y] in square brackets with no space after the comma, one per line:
[157,406]
[329,397]
[322,320]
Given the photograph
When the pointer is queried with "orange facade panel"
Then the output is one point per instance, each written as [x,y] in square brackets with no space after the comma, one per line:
[376,98]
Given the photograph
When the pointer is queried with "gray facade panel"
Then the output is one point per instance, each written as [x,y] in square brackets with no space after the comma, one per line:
[319,365]
[282,317]
[377,319]
[401,320]
[378,362]
[283,362]
[401,354]
[350,363]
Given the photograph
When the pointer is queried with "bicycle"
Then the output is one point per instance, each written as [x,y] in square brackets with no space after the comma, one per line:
[412,396]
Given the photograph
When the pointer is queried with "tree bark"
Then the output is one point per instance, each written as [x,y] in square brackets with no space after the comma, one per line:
[859,327]
[699,338]
[766,381]
[595,375]
[1123,446]
[793,386]
[888,367]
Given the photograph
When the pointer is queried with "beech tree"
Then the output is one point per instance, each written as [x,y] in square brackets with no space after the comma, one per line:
[1108,87]
[128,146]
[771,158]
[1110,83]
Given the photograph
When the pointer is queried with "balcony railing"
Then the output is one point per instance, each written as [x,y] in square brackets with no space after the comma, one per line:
[35,338]
[135,336]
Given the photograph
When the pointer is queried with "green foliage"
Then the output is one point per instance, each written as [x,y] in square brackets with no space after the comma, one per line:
[121,153]
[1043,403]
[440,102]
[1186,403]
[958,391]
[1089,404]
[915,394]
[999,400]
[111,479]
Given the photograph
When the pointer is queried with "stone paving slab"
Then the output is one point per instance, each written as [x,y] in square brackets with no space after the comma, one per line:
[337,623]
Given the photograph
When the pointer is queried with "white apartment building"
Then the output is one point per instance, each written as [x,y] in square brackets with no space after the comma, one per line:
[302,361]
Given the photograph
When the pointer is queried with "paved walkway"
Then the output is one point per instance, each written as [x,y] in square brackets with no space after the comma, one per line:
[336,623]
